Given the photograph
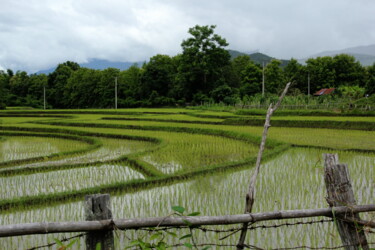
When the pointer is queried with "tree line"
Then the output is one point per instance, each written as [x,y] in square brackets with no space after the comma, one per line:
[203,72]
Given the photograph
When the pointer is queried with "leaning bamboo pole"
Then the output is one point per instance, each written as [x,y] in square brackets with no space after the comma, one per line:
[250,196]
[88,226]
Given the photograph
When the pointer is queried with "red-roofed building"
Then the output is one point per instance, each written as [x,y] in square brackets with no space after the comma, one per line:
[324,92]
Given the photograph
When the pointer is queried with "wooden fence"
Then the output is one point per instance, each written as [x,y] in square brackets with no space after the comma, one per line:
[99,223]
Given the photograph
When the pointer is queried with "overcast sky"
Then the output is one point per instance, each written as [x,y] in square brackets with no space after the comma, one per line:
[39,34]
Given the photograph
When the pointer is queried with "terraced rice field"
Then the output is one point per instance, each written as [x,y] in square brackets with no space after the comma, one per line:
[152,159]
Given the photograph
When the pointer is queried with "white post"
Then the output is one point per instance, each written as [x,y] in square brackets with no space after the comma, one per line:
[308,84]
[263,80]
[116,92]
[44,96]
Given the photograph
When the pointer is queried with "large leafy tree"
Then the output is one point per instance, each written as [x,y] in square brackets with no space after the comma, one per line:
[19,83]
[158,76]
[129,86]
[239,64]
[274,78]
[203,60]
[370,83]
[4,88]
[79,91]
[35,89]
[105,88]
[296,73]
[322,73]
[251,79]
[348,71]
[57,81]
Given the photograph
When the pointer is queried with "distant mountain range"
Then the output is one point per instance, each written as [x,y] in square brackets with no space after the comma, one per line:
[95,63]
[257,57]
[364,54]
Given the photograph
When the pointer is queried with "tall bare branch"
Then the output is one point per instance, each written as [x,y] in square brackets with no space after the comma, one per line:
[250,196]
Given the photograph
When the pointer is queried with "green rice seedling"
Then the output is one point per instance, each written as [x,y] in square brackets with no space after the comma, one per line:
[329,138]
[293,180]
[170,117]
[111,149]
[225,147]
[65,180]
[308,123]
[198,151]
[326,118]
[23,147]
[20,120]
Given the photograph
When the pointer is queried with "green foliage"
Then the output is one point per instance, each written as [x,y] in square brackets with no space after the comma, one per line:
[156,239]
[348,71]
[79,89]
[251,80]
[129,89]
[104,90]
[238,65]
[322,73]
[297,74]
[370,83]
[351,92]
[62,246]
[4,89]
[224,94]
[203,60]
[158,76]
[199,98]
[366,101]
[274,77]
[57,82]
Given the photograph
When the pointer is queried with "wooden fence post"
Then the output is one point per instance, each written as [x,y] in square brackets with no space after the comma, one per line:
[98,207]
[340,193]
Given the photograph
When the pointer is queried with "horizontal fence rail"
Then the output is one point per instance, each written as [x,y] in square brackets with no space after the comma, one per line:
[122,224]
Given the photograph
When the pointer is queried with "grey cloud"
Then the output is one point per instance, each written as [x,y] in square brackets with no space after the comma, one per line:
[37,34]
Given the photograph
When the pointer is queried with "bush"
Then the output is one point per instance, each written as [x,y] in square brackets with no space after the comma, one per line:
[366,101]
[200,98]
[129,102]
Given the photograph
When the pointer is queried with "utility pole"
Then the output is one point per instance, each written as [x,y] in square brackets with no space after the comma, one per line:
[308,84]
[44,96]
[116,92]
[263,80]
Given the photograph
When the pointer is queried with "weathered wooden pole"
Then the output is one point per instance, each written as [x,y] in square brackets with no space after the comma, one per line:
[97,208]
[340,193]
[250,196]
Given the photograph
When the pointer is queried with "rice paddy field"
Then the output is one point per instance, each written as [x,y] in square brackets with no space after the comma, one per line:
[149,160]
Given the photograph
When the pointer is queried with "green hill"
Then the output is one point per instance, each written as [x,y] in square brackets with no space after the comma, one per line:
[258,58]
